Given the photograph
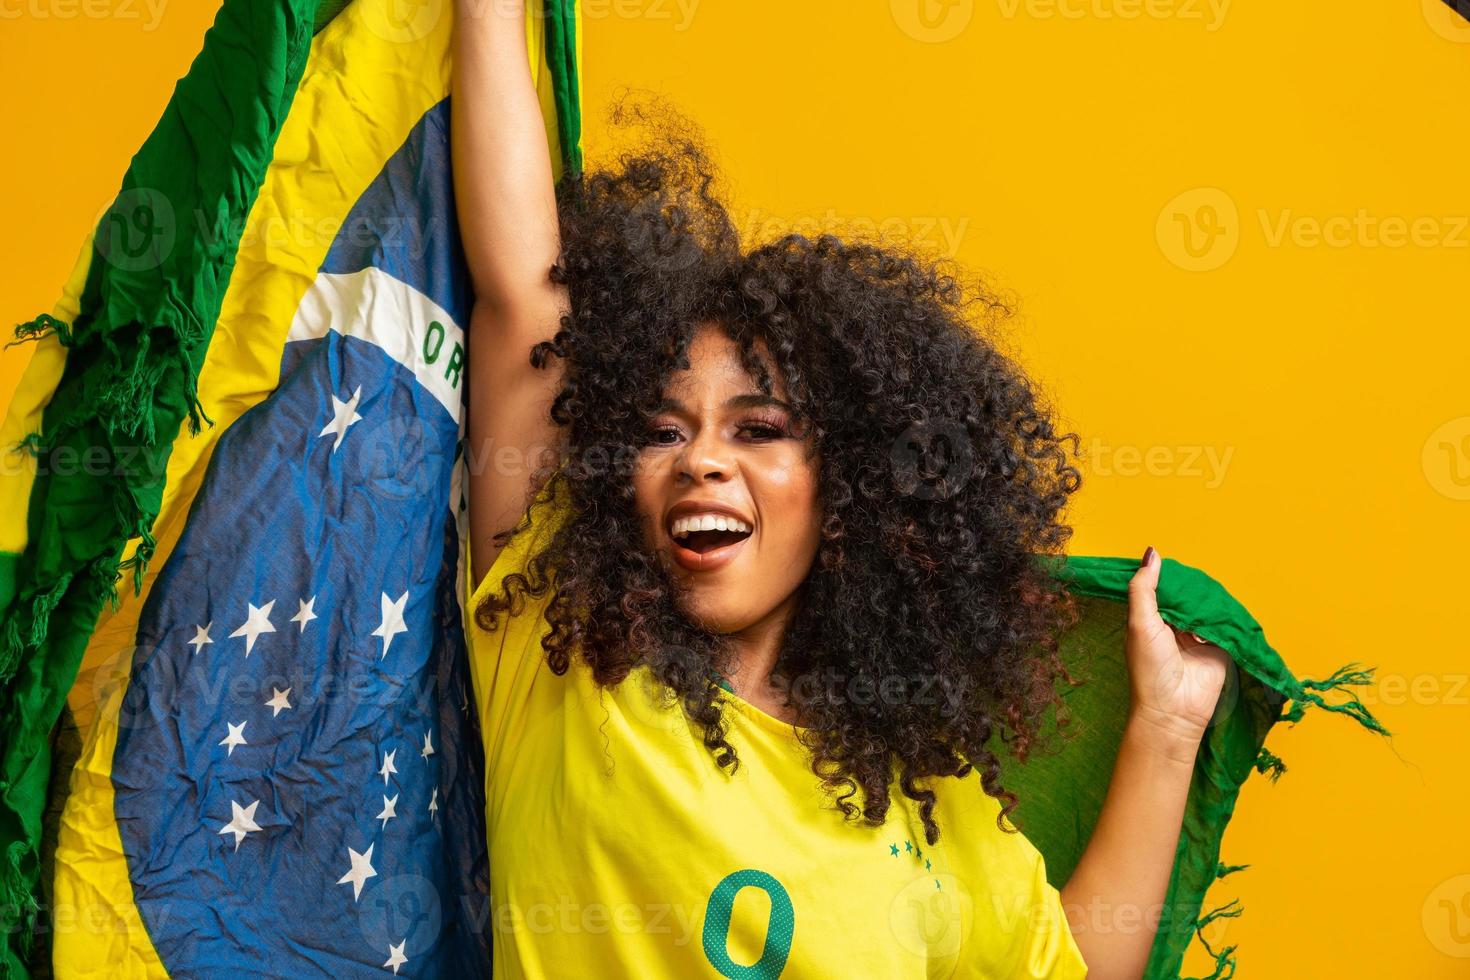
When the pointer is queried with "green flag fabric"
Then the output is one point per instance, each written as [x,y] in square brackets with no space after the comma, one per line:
[1061,794]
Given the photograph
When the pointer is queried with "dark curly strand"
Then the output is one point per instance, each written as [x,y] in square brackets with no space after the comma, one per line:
[941,480]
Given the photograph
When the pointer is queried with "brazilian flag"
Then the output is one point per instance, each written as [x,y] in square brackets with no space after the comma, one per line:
[238,731]
[238,734]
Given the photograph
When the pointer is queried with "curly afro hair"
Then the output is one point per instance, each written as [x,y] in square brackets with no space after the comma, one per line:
[925,639]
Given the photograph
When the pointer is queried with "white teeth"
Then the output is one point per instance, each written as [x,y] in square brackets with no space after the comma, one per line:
[707,522]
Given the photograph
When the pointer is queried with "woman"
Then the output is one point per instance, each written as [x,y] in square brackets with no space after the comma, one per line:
[752,630]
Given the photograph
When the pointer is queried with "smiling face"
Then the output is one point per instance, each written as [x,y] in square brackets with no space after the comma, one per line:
[727,489]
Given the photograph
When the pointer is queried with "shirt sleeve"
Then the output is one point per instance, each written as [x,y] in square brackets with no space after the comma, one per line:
[1050,950]
[1019,928]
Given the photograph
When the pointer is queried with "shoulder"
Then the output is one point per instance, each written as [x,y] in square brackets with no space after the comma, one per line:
[971,818]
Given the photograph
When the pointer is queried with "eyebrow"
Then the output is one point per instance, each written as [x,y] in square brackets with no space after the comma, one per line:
[734,402]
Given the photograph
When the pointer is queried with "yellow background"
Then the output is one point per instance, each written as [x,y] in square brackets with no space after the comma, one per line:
[1277,398]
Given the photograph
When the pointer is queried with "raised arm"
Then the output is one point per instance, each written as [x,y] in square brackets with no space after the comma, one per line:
[506,204]
[1117,890]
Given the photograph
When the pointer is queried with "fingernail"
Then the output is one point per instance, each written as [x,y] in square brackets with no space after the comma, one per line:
[1148,556]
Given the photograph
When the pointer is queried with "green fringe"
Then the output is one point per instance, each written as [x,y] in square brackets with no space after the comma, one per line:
[22,909]
[120,404]
[121,407]
[1350,675]
[1225,957]
[1268,760]
[13,645]
[1224,965]
[42,326]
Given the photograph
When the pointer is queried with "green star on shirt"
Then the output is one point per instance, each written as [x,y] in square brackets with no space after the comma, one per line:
[894,849]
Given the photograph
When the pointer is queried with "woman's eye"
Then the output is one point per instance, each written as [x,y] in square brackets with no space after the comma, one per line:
[760,430]
[668,435]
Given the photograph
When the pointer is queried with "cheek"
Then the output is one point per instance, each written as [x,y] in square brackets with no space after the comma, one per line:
[793,505]
[648,499]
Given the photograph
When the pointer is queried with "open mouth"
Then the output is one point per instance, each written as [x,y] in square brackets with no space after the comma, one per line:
[703,542]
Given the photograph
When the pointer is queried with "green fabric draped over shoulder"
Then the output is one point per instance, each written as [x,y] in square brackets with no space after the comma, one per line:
[1061,793]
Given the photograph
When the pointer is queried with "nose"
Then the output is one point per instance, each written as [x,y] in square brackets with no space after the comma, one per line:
[705,457]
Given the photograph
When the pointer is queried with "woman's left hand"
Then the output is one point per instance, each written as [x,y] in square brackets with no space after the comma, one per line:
[1175,677]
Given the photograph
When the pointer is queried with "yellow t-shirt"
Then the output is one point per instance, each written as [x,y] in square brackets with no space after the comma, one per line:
[618,848]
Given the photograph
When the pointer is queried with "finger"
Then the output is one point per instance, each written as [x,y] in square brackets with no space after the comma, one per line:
[1143,601]
[1193,643]
[1188,640]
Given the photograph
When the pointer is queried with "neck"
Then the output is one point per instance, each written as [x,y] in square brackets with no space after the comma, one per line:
[755,650]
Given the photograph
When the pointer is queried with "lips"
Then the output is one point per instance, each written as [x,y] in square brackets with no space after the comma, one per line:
[710,534]
[706,561]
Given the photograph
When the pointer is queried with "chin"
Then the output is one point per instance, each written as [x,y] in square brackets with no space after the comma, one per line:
[709,612]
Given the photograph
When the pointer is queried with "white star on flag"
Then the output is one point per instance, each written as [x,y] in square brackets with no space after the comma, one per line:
[428,748]
[388,767]
[344,414]
[278,702]
[396,957]
[242,821]
[201,636]
[305,614]
[235,737]
[361,870]
[392,623]
[389,811]
[434,801]
[257,621]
